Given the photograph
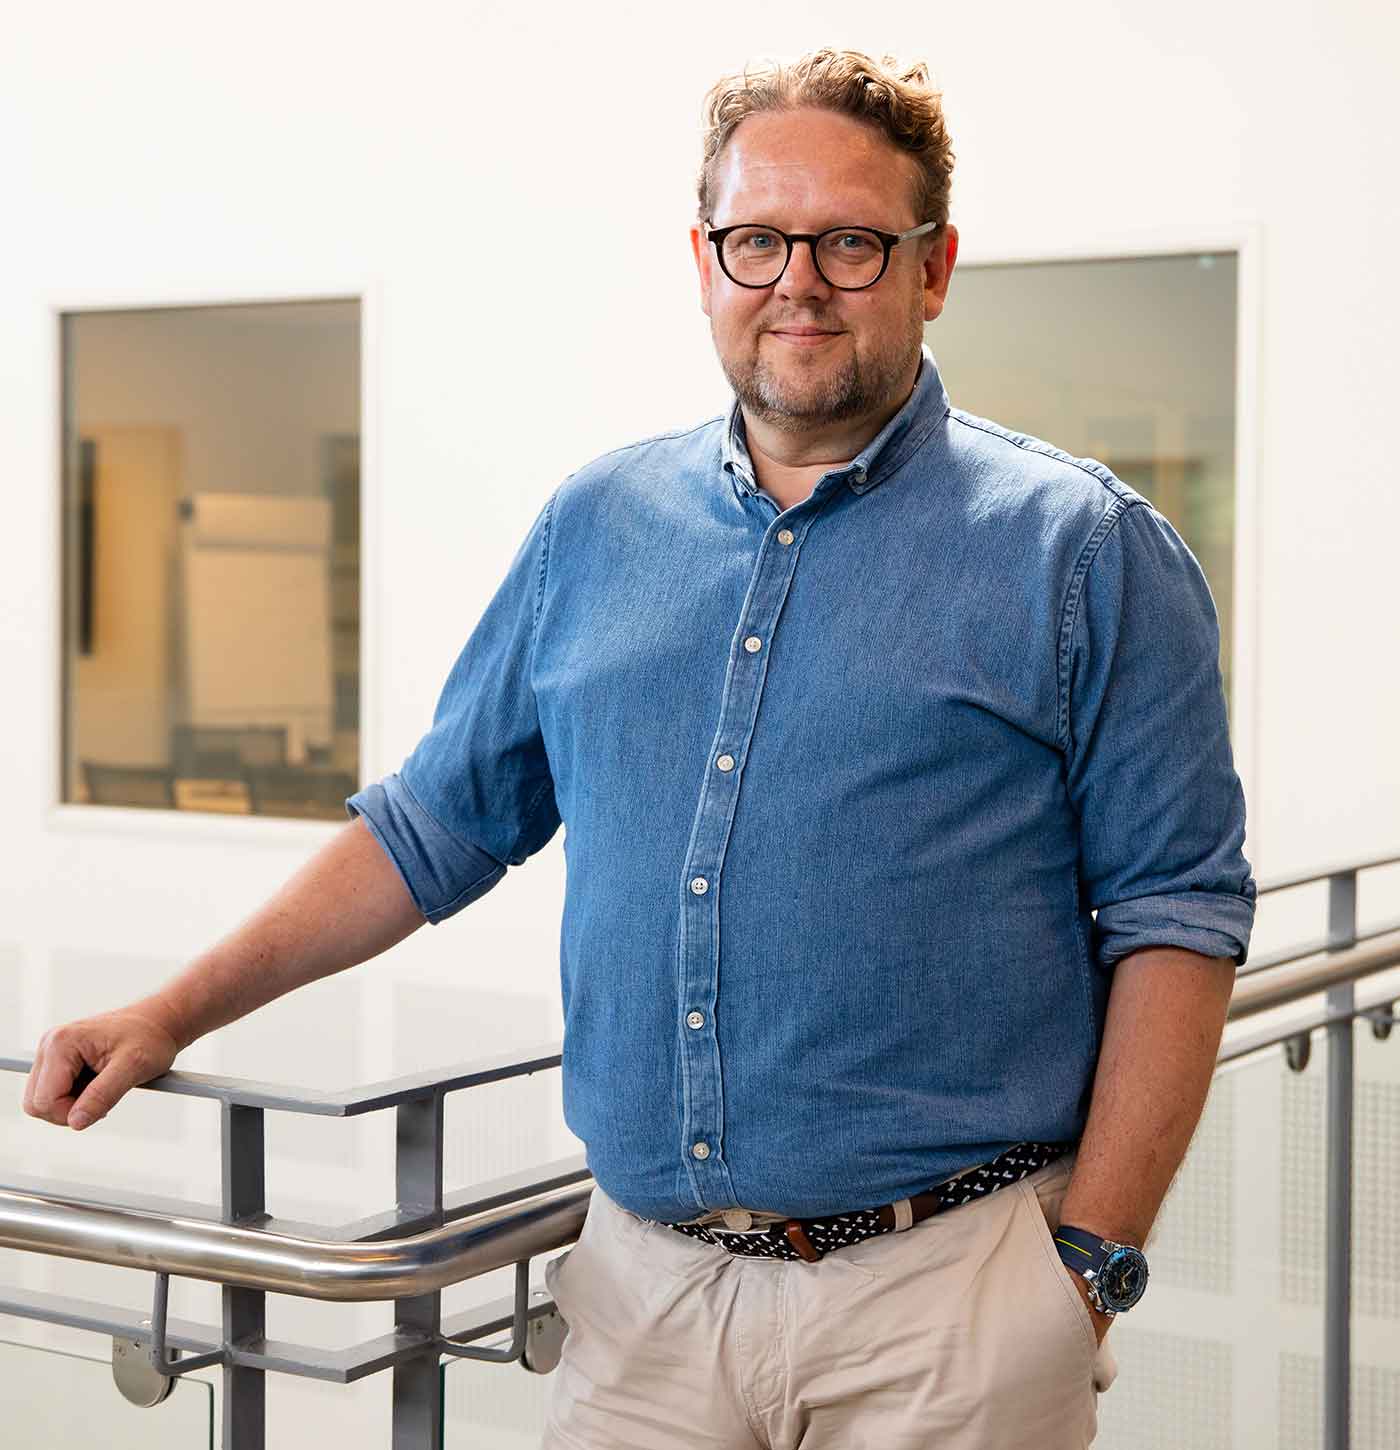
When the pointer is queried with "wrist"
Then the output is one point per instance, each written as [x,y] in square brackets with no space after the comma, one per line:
[1105,1225]
[1114,1273]
[166,1016]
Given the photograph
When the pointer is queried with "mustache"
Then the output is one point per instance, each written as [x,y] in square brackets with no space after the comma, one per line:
[777,323]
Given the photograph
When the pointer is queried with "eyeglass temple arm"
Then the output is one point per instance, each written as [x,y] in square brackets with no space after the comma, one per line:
[917,231]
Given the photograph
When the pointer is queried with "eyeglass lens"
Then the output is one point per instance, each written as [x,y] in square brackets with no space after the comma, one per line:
[849,257]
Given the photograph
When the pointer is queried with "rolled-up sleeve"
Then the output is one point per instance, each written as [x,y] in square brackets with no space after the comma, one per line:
[1148,760]
[476,794]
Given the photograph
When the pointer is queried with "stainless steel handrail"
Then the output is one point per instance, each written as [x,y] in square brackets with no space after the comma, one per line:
[308,1268]
[393,1256]
[420,1263]
[1323,873]
[1295,953]
[1264,991]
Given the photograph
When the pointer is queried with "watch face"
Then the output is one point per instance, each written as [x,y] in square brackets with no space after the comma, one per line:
[1123,1278]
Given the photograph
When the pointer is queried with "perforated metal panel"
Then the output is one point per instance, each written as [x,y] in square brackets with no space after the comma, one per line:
[1300,1402]
[1375,1405]
[1376,1207]
[1375,1195]
[1375,1408]
[1303,1187]
[1192,1245]
[1172,1393]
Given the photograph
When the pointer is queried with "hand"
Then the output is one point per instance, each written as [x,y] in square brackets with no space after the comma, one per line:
[122,1048]
[1102,1322]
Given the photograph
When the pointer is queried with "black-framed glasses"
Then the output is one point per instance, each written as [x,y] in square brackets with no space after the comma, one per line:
[846,257]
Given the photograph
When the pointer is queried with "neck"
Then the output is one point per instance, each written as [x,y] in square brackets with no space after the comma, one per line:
[787,462]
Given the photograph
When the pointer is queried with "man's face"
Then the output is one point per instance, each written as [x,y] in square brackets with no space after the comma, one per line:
[802,353]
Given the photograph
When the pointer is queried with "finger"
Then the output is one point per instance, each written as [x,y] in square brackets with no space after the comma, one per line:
[95,1095]
[27,1101]
[53,1077]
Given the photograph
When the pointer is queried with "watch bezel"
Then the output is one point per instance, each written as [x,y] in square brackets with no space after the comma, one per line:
[1111,1303]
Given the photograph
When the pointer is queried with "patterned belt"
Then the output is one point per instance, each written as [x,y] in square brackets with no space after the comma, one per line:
[810,1238]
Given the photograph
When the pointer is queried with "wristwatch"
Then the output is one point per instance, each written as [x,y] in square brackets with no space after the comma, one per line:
[1116,1273]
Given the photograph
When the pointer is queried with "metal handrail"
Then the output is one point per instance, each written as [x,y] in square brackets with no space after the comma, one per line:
[1324,873]
[393,1268]
[277,1263]
[342,1102]
[392,1256]
[1284,955]
[1263,991]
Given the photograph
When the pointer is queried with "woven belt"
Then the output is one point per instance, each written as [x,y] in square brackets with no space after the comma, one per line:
[811,1238]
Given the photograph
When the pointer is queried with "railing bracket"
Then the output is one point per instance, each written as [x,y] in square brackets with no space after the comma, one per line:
[519,1327]
[170,1365]
[545,1343]
[135,1376]
[1298,1050]
[1382,1019]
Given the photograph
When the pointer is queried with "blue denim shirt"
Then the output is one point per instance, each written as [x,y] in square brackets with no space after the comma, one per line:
[863,800]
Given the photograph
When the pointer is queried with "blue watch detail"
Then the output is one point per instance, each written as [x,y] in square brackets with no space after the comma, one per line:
[1116,1273]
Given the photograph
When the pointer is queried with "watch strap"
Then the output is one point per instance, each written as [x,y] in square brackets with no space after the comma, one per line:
[1086,1254]
[1080,1250]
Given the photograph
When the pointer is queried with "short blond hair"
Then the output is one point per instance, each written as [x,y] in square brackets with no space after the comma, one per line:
[896,98]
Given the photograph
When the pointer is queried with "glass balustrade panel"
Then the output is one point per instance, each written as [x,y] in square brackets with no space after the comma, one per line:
[56,1397]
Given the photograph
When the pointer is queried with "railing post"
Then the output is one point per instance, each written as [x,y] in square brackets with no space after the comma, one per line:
[418,1172]
[244,1310]
[1336,1357]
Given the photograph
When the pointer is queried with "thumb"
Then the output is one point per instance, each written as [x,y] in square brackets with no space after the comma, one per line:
[97,1094]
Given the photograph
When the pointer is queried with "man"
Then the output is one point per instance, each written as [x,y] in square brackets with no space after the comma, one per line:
[905,888]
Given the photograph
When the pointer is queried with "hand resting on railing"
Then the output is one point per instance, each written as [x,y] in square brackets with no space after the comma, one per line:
[98,1059]
[347,904]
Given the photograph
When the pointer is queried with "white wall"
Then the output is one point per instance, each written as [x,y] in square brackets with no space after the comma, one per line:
[458,164]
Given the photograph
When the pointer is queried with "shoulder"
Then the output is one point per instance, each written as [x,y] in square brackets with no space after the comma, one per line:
[642,465]
[1067,497]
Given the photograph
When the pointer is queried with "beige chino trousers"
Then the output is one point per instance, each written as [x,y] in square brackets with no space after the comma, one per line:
[964,1332]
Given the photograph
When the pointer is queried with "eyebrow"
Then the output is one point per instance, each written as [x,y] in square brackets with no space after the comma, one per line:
[846,221]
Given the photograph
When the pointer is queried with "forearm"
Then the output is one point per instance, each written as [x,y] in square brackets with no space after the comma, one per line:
[1166,1014]
[344,906]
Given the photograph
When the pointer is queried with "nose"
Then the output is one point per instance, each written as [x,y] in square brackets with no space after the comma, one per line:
[800,277]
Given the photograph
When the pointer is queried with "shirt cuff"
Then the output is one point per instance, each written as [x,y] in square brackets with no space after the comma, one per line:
[1213,923]
[442,873]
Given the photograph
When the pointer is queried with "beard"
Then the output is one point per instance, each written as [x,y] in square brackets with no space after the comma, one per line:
[810,392]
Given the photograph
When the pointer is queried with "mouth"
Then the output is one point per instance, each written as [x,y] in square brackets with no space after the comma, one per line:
[803,336]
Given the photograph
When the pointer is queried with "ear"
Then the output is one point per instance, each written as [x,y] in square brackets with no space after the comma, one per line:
[704,262]
[938,270]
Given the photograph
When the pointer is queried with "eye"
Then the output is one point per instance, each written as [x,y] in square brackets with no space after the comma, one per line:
[751,243]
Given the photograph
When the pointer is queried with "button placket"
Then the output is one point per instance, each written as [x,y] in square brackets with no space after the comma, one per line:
[701,1110]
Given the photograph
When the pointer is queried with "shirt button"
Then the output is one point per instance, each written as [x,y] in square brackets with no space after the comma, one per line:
[725,762]
[785,536]
[699,886]
[694,1019]
[700,1150]
[753,644]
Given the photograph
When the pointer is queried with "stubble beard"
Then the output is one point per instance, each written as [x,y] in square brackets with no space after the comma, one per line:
[822,392]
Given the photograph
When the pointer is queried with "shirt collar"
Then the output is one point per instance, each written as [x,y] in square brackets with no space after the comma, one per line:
[926,406]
